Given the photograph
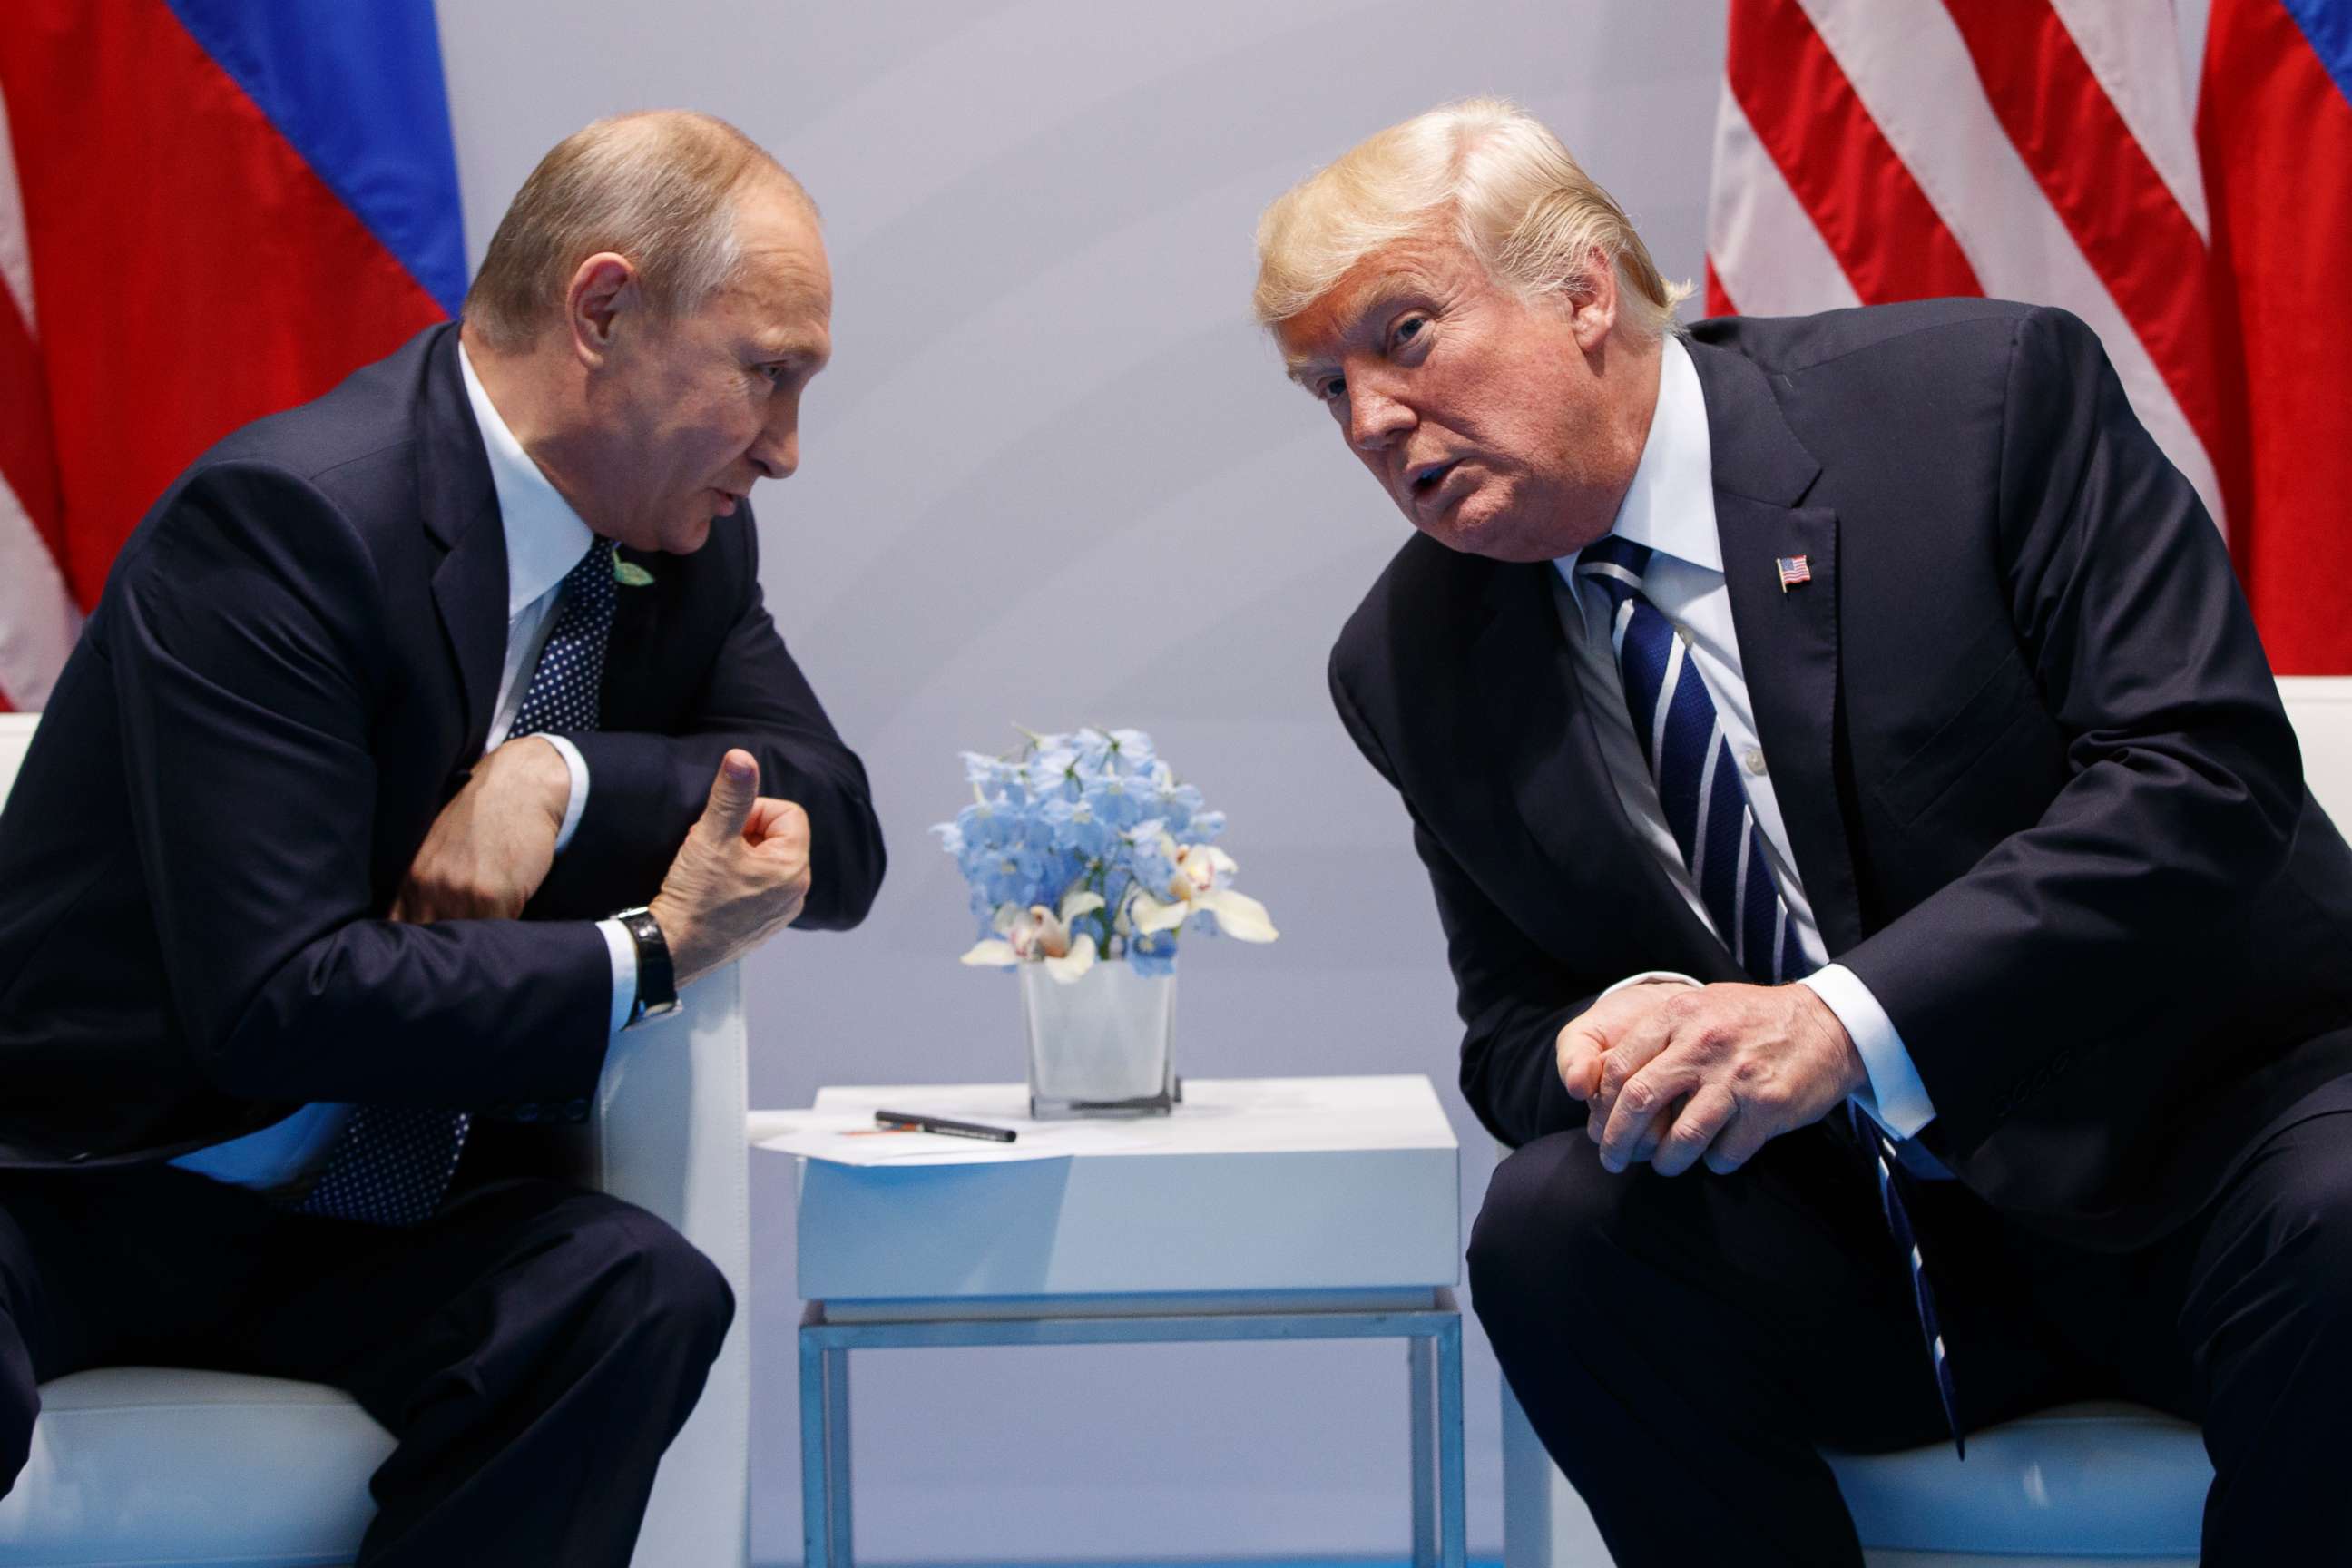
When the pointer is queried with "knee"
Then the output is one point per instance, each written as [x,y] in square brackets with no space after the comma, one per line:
[686,1291]
[1542,1240]
[665,1288]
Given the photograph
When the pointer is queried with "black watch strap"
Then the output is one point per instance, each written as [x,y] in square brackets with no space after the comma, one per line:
[656,979]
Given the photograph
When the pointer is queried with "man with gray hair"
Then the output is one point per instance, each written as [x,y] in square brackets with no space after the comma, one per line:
[417,746]
[1858,803]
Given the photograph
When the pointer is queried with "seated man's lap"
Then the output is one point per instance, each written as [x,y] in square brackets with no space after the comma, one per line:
[1773,1293]
[161,1267]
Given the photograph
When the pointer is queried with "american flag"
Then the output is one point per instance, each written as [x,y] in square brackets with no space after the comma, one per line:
[1794,569]
[2180,178]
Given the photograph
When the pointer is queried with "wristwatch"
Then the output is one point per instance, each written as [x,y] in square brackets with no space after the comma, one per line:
[657,980]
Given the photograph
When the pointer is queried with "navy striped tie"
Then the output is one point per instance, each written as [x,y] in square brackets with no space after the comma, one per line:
[1708,811]
[391,1163]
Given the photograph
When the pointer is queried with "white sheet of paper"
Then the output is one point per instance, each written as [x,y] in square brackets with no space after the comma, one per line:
[850,1138]
[1218,1116]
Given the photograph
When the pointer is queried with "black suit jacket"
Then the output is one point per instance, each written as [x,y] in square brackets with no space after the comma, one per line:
[2036,776]
[291,670]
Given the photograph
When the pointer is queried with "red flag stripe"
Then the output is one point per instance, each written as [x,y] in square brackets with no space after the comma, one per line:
[1718,301]
[28,453]
[2112,200]
[1878,222]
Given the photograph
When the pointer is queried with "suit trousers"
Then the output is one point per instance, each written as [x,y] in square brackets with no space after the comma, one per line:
[533,1347]
[1684,1345]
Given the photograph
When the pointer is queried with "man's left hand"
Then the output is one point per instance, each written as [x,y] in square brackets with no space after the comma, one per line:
[492,846]
[1716,1072]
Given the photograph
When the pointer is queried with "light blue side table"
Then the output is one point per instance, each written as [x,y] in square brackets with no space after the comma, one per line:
[1263,1209]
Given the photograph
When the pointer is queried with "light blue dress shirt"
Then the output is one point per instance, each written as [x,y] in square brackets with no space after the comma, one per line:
[1670,507]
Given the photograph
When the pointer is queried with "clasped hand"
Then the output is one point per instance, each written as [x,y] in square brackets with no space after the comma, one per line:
[741,874]
[492,844]
[1673,1074]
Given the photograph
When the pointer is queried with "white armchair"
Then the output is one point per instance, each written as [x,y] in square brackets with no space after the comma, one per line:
[163,1466]
[2116,1483]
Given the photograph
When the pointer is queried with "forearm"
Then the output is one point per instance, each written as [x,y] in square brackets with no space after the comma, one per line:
[645,792]
[462,1014]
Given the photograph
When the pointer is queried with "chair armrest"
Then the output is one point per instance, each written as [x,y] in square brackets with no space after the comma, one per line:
[667,1135]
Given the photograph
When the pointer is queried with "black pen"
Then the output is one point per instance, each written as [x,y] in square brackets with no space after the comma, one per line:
[902,1121]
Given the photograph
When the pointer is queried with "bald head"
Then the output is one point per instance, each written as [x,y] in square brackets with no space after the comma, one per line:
[661,188]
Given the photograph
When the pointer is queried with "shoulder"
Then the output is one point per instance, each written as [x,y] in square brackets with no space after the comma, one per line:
[1917,331]
[356,448]
[372,411]
[1420,600]
[1407,650]
[1908,384]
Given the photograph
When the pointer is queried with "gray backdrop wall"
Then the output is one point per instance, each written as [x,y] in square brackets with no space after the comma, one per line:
[1054,476]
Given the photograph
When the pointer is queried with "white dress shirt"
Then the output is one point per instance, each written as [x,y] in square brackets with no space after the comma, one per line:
[1670,507]
[545,539]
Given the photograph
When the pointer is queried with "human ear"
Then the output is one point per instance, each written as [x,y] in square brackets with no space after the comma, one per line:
[603,288]
[1592,301]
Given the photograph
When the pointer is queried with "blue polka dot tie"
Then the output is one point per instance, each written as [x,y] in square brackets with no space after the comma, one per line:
[391,1163]
[1709,813]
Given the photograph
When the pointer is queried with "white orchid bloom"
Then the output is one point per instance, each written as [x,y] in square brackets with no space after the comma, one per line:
[1037,934]
[1198,889]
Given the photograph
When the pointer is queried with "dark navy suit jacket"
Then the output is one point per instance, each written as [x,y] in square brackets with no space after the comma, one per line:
[2036,775]
[290,672]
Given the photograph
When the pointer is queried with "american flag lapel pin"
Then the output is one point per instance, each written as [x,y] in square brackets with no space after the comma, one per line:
[1794,570]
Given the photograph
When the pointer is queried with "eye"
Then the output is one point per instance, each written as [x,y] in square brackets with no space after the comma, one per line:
[1330,388]
[1406,331]
[774,373]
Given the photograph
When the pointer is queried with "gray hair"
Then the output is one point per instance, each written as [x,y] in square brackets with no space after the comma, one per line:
[1514,196]
[658,187]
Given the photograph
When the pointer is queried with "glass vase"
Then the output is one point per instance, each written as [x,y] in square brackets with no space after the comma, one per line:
[1099,1044]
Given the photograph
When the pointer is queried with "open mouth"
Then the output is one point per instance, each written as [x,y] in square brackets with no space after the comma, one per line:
[1425,478]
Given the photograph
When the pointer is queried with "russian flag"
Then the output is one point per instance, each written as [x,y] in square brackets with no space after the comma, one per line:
[2274,133]
[218,209]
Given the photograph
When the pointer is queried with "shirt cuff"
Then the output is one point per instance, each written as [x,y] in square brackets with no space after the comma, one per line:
[624,948]
[1895,1099]
[1646,976]
[578,765]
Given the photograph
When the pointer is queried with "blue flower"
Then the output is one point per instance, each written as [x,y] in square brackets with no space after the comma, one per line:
[1154,954]
[1094,812]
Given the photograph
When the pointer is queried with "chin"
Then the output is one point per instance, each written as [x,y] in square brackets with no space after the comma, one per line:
[1496,532]
[688,536]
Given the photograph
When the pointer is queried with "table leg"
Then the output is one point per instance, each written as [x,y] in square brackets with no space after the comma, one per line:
[1449,1444]
[1421,1359]
[836,1460]
[817,1543]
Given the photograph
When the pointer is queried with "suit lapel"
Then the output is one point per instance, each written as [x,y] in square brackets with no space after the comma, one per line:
[460,511]
[1525,675]
[1788,638]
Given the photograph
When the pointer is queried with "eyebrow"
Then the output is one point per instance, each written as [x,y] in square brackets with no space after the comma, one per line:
[1392,286]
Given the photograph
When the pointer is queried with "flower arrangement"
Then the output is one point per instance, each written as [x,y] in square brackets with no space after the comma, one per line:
[1082,847]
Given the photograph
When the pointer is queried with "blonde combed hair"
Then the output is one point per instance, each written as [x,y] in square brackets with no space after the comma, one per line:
[1515,196]
[658,187]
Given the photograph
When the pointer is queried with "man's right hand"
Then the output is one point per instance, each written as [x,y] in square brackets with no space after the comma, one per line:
[741,874]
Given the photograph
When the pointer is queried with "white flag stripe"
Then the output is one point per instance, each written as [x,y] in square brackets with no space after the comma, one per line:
[15,256]
[1766,252]
[1913,72]
[38,621]
[2133,50]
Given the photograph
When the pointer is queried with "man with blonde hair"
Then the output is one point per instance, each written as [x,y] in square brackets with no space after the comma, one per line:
[417,746]
[1848,776]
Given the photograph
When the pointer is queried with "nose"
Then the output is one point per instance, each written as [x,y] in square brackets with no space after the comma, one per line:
[776,451]
[1375,420]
